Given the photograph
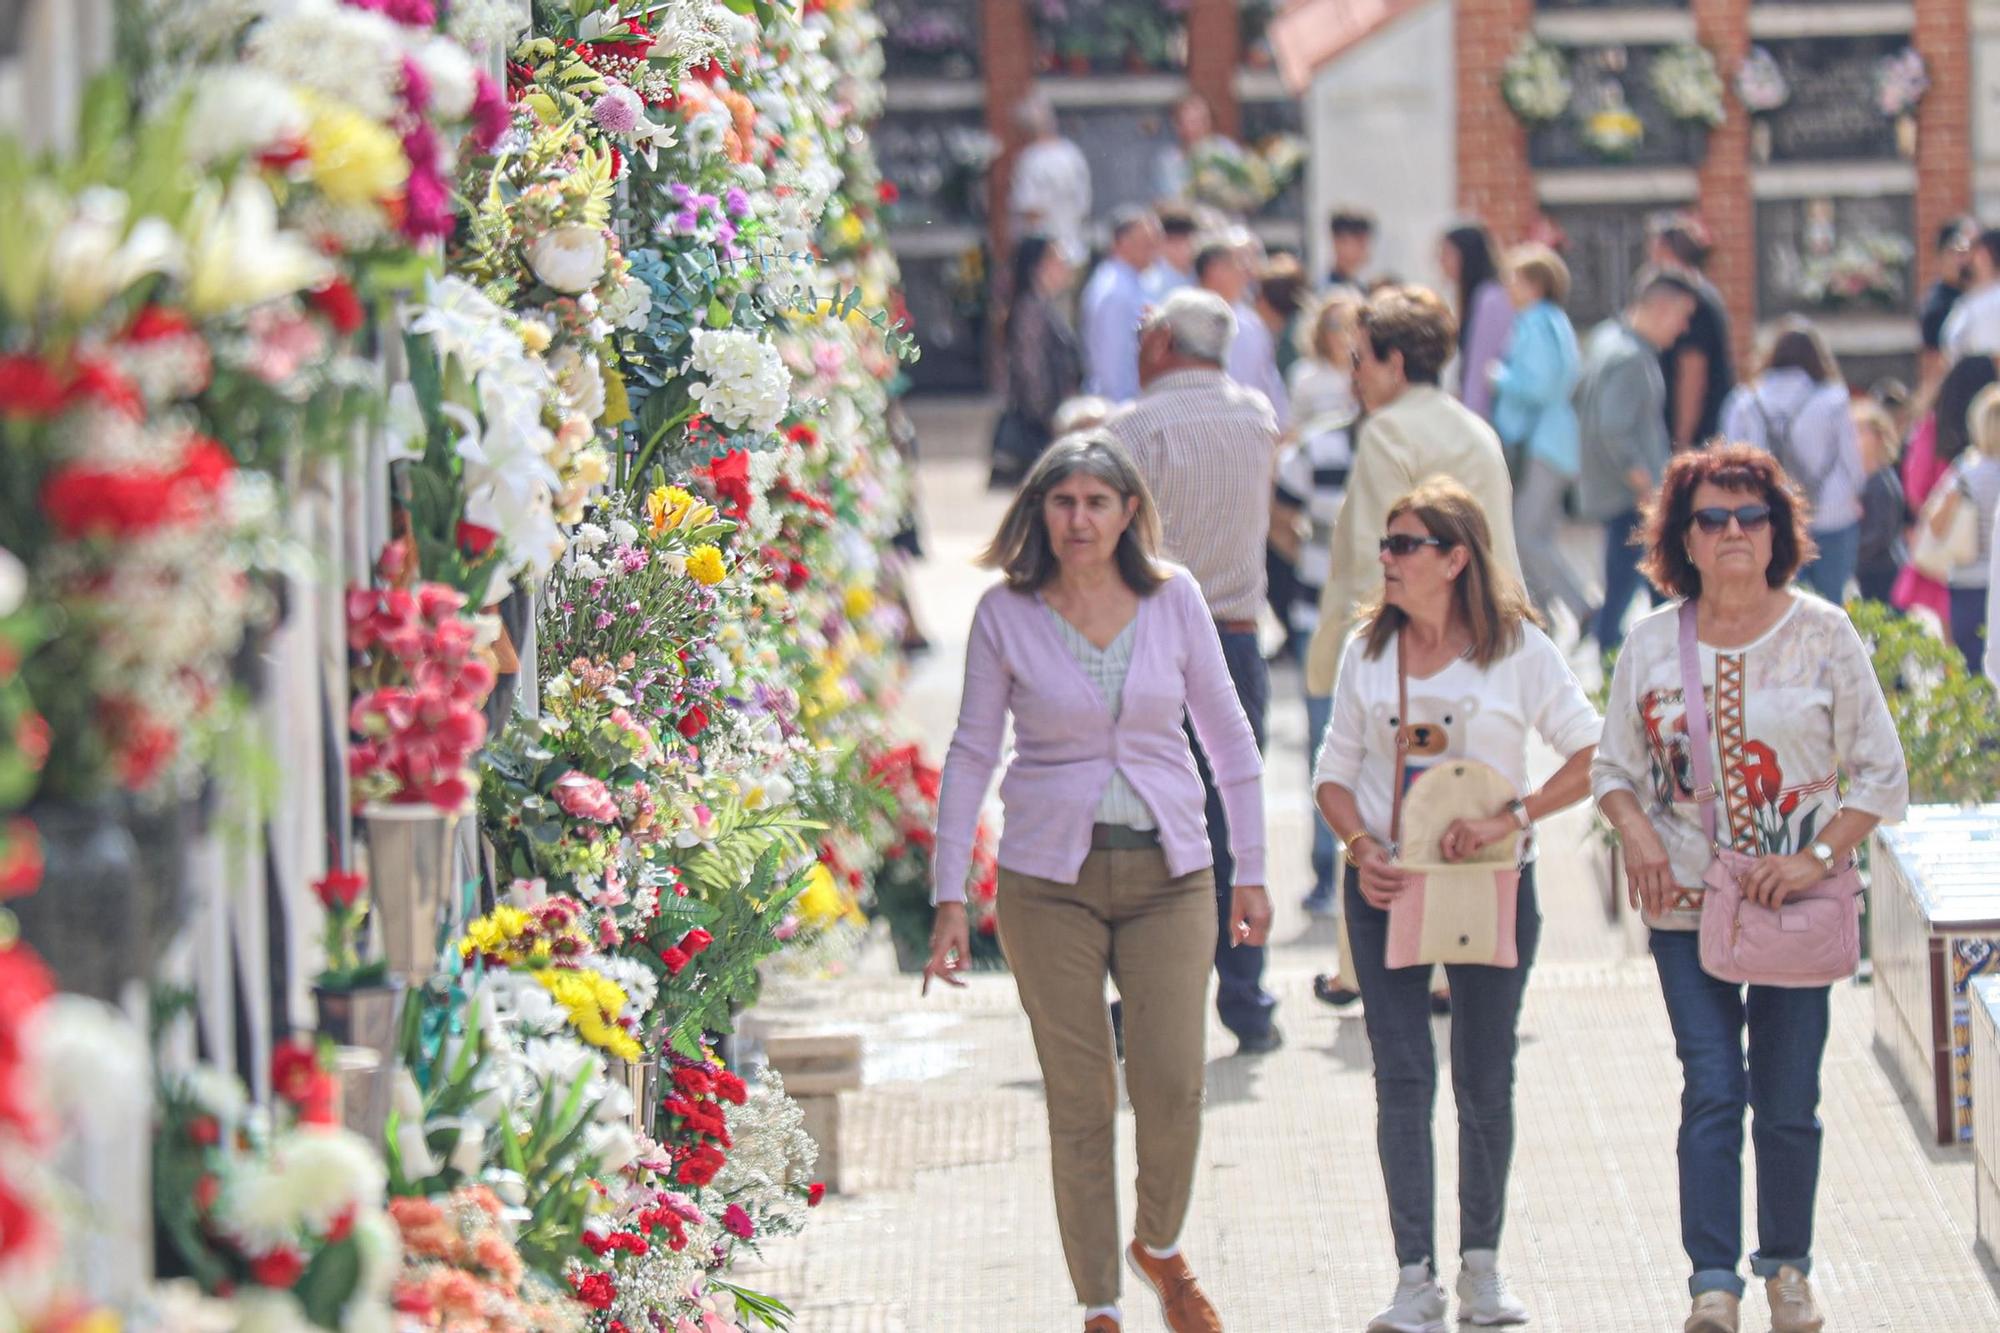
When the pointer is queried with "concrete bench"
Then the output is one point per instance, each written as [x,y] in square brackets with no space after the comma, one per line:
[817,1067]
[1935,926]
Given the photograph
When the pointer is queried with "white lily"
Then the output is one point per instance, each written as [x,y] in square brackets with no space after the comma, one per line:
[238,255]
[95,254]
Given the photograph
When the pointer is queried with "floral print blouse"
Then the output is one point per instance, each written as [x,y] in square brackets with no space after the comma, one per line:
[1791,715]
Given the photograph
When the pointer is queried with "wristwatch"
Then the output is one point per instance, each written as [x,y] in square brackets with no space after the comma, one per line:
[1823,853]
[1518,808]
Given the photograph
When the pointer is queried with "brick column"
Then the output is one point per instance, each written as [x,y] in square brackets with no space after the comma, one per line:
[1007,51]
[1723,26]
[1494,182]
[1944,125]
[1215,49]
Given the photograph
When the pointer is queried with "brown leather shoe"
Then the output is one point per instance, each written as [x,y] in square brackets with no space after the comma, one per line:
[1104,1323]
[1182,1305]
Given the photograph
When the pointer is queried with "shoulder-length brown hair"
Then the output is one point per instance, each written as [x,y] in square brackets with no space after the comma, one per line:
[1487,599]
[1021,550]
[1734,467]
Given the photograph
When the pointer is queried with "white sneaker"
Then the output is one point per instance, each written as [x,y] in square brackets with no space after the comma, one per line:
[1418,1306]
[1483,1297]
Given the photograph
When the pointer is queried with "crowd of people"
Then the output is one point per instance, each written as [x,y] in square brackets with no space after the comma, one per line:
[1390,472]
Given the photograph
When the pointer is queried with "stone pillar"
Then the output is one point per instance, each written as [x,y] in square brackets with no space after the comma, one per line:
[1494,181]
[1943,36]
[1723,26]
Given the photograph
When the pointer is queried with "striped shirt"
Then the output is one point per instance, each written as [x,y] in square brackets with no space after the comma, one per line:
[1312,478]
[1106,668]
[1208,449]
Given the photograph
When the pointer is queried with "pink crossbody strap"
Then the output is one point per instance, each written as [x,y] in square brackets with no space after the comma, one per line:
[1695,703]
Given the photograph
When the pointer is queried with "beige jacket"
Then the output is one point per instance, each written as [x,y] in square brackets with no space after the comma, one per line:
[1423,434]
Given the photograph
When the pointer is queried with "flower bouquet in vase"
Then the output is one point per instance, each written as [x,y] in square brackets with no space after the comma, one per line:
[420,683]
[357,998]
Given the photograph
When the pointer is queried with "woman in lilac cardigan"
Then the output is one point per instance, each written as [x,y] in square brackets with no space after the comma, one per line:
[1099,652]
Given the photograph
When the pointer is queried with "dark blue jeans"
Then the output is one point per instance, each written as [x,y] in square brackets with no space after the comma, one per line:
[1831,570]
[1621,578]
[1485,1010]
[1968,626]
[1779,1082]
[1325,847]
[1240,997]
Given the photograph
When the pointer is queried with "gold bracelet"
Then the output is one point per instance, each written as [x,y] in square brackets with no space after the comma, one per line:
[1354,840]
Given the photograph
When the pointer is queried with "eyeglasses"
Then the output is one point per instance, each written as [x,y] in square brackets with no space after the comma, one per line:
[1749,518]
[1400,544]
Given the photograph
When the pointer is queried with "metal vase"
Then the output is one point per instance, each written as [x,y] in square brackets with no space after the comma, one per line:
[89,919]
[641,1078]
[366,1016]
[412,852]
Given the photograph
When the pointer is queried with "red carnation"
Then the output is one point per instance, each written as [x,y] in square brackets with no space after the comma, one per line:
[341,305]
[596,1291]
[802,434]
[737,1222]
[730,474]
[814,1193]
[297,1078]
[730,1088]
[695,941]
[694,723]
[280,1268]
[29,390]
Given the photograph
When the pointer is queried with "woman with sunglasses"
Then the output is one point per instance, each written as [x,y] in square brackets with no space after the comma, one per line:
[1453,633]
[1796,713]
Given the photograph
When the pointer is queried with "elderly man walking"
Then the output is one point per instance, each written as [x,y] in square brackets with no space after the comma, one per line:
[1414,430]
[1208,449]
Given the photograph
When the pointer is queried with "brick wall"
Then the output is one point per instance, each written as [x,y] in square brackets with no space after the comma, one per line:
[1943,37]
[1494,183]
[1726,205]
[1215,48]
[1007,46]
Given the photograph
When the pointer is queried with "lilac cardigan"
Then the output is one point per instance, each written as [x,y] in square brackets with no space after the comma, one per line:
[1489,323]
[1066,743]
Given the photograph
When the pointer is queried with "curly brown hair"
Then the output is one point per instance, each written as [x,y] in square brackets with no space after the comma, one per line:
[1416,322]
[1733,467]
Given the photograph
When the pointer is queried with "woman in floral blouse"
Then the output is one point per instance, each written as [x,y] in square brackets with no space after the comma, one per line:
[1795,709]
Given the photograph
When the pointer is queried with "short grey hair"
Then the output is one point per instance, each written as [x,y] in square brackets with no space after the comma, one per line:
[1035,114]
[1200,323]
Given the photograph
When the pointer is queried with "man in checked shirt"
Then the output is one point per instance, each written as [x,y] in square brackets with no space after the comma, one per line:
[1208,449]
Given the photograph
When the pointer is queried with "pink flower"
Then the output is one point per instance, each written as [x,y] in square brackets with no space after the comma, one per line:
[585,797]
[737,1222]
[490,113]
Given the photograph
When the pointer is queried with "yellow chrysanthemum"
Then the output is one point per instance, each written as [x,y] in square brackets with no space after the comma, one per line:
[848,230]
[494,934]
[860,601]
[705,565]
[823,902]
[593,1002]
[353,159]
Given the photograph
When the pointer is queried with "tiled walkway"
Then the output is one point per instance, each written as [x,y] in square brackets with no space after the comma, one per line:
[947,1224]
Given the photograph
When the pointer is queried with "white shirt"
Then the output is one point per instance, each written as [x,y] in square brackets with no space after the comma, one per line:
[1973,327]
[1463,711]
[1052,181]
[1992,662]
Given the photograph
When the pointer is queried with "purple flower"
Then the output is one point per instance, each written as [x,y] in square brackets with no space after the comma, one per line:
[605,620]
[736,202]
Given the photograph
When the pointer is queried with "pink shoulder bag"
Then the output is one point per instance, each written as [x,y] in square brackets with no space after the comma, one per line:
[1814,937]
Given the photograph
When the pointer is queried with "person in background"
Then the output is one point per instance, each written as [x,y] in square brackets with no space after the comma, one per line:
[1884,517]
[1257,359]
[1485,315]
[1082,413]
[1954,262]
[1044,359]
[1936,443]
[1459,627]
[1050,194]
[1533,416]
[1414,431]
[1894,397]
[1697,366]
[1193,123]
[1973,327]
[1208,449]
[1312,482]
[1806,762]
[1104,861]
[1174,269]
[1974,480]
[1113,302]
[1353,246]
[1321,382]
[1797,408]
[1621,418]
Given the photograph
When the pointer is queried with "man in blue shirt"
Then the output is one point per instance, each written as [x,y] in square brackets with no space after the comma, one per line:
[1174,269]
[1114,301]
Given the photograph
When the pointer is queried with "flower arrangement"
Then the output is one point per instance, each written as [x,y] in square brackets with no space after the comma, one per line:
[1535,82]
[461,1270]
[1613,131]
[1901,80]
[343,899]
[419,684]
[1685,79]
[1760,83]
[1228,176]
[1866,269]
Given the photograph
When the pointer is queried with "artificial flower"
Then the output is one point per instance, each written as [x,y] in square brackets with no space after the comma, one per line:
[570,258]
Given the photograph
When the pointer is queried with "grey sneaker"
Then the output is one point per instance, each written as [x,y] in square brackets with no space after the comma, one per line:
[1793,1309]
[1418,1306]
[1714,1312]
[1483,1297]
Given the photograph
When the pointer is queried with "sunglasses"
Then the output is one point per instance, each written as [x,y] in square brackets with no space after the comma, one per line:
[1400,544]
[1749,518]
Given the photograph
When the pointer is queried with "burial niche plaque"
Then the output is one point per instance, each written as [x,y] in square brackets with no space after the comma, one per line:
[1606,247]
[1834,256]
[1831,114]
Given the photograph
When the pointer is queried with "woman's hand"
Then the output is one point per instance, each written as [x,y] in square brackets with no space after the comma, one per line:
[1249,915]
[951,947]
[1776,878]
[1381,879]
[1466,838]
[1649,874]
